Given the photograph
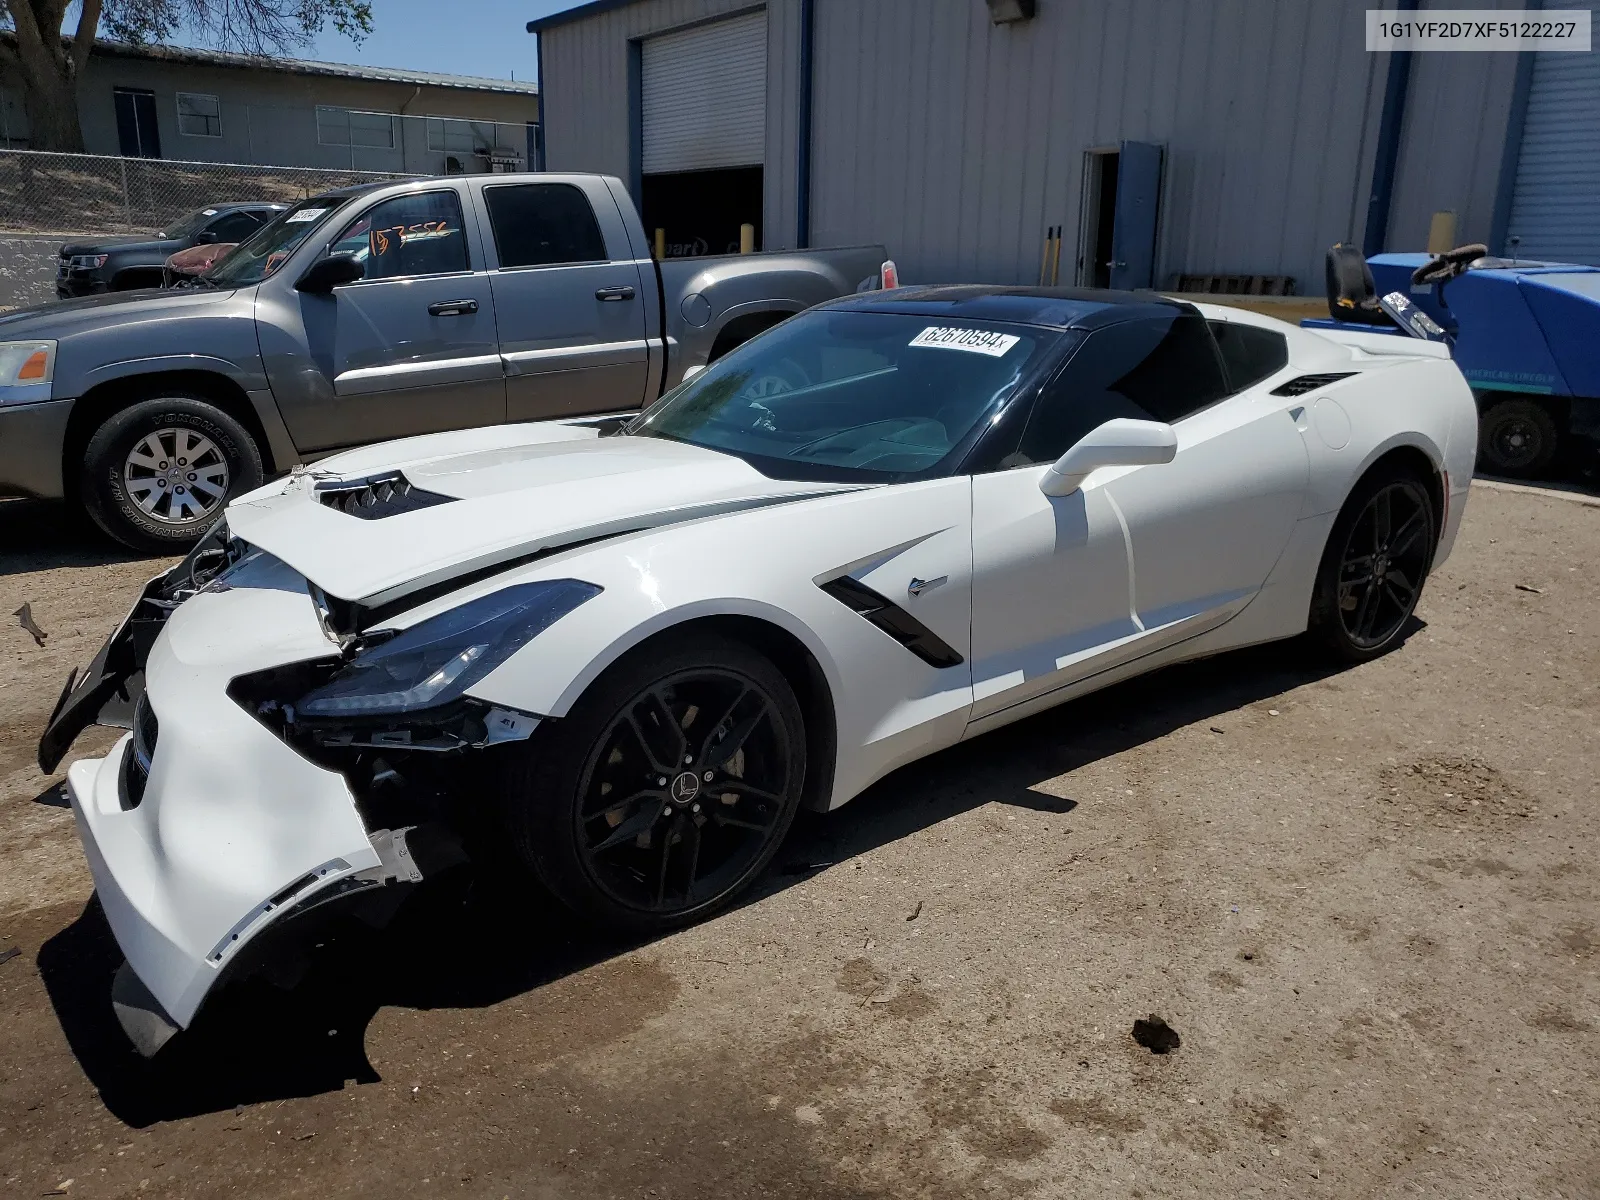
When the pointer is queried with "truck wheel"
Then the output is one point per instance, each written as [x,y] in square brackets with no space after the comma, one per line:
[157,474]
[1517,437]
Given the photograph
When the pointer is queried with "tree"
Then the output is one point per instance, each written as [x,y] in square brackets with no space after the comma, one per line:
[51,65]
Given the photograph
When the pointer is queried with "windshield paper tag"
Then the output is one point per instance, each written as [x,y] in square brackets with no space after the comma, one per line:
[305,214]
[978,341]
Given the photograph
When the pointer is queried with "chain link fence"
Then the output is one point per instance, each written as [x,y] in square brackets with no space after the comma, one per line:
[91,194]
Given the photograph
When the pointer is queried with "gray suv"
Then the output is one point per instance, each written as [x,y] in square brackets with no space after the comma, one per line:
[366,314]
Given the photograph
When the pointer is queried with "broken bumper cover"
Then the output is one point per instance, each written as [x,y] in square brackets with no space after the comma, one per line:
[230,828]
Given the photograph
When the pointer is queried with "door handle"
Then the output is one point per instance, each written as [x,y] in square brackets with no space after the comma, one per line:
[452,308]
[614,293]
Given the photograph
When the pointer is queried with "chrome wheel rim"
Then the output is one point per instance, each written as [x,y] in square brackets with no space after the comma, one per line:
[685,791]
[1385,558]
[176,476]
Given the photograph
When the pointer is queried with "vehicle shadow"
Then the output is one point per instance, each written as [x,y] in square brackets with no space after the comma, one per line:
[463,942]
[41,535]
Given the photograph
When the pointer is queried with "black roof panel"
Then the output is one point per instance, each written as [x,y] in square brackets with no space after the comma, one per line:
[1056,308]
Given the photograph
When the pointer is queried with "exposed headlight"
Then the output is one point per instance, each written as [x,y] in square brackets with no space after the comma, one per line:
[26,371]
[437,660]
[87,262]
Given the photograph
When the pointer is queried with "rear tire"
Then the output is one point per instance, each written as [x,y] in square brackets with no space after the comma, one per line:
[1519,438]
[610,807]
[157,475]
[1377,557]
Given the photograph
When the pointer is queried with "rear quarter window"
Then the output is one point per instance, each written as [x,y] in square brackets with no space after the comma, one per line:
[1249,353]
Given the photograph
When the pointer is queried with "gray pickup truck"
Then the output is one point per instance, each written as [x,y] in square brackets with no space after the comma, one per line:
[372,313]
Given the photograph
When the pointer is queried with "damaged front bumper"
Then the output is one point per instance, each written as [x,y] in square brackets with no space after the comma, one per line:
[202,828]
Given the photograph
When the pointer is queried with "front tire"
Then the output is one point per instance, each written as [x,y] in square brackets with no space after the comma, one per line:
[665,791]
[1372,571]
[1518,438]
[157,475]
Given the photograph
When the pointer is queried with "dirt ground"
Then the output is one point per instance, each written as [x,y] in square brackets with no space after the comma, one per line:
[1366,900]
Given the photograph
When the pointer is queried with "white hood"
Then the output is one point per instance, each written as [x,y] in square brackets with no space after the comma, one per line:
[515,490]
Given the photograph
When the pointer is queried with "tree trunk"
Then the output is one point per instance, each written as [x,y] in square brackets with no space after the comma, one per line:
[50,72]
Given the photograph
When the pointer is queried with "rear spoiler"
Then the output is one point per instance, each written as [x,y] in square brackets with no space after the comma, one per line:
[1388,345]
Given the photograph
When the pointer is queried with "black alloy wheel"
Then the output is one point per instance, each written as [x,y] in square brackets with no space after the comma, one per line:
[1377,557]
[665,790]
[1385,558]
[684,790]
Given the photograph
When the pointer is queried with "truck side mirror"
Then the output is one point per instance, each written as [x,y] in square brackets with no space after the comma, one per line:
[328,273]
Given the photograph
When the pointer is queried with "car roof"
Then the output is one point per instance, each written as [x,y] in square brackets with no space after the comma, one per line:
[1054,308]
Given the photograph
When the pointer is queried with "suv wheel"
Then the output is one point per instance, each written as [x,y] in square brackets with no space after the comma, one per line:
[157,475]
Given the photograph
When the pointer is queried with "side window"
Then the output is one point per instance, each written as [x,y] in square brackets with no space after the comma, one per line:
[1155,369]
[1174,367]
[543,224]
[234,227]
[409,235]
[1249,353]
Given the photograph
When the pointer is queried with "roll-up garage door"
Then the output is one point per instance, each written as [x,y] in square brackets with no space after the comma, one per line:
[1555,209]
[704,94]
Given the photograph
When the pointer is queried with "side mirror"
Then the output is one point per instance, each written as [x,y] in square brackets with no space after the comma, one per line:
[328,273]
[205,237]
[1117,443]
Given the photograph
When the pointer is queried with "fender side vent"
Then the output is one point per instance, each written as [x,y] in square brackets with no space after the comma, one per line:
[895,621]
[379,497]
[1301,384]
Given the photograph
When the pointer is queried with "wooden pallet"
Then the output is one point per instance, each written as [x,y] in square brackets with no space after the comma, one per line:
[1235,285]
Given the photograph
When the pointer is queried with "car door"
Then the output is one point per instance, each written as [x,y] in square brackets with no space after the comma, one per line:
[1051,599]
[411,347]
[569,298]
[1206,529]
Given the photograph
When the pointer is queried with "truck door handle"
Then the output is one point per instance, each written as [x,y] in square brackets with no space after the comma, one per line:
[452,308]
[614,293]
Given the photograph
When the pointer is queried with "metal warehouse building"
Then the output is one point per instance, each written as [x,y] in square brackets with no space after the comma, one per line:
[1165,138]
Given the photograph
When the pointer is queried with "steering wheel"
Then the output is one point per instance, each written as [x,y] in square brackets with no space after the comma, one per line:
[1447,266]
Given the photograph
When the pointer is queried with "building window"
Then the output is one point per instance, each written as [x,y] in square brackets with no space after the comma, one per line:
[199,115]
[451,136]
[348,127]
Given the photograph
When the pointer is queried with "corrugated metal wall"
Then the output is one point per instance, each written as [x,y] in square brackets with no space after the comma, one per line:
[956,142]
[1453,139]
[585,66]
[1555,208]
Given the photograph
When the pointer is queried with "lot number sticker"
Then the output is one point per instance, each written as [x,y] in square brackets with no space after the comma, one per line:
[305,214]
[975,341]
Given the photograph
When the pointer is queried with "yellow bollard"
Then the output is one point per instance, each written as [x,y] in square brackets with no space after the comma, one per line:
[661,244]
[1442,232]
[747,239]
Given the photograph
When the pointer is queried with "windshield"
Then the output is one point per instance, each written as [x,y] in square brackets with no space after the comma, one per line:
[269,247]
[849,395]
[188,227]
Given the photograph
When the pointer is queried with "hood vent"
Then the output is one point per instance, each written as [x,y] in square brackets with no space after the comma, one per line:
[1301,384]
[379,497]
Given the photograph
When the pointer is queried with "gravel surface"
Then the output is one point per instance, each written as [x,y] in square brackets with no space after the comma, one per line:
[1364,901]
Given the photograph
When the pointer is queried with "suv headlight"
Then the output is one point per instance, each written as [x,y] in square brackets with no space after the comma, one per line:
[87,262]
[26,371]
[437,660]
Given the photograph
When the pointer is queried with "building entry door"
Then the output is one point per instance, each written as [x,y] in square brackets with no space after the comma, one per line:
[1120,207]
[137,134]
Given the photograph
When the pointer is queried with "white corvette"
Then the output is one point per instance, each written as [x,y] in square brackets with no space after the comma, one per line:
[894,522]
